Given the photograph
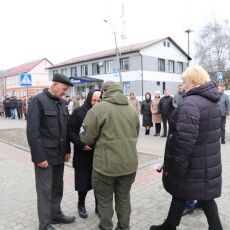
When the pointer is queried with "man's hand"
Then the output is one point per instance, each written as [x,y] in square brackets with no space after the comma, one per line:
[87,148]
[67,157]
[43,164]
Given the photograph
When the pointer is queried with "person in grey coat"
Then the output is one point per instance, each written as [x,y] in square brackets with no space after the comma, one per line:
[225,107]
[178,97]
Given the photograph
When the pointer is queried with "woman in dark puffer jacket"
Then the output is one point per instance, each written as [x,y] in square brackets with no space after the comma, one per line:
[192,164]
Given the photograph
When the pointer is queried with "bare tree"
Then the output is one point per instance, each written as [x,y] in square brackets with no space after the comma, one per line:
[213,48]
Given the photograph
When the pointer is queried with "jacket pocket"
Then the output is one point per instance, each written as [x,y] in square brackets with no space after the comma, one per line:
[50,113]
[50,143]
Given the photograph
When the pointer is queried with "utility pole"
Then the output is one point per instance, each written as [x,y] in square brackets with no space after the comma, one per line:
[117,53]
[188,31]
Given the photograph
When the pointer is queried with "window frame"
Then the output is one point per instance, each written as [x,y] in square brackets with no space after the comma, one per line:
[180,64]
[169,70]
[160,62]
[123,65]
[84,70]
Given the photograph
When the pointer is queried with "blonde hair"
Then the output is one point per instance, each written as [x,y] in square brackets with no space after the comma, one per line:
[195,74]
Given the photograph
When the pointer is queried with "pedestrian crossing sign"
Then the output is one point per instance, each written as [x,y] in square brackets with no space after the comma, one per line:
[25,79]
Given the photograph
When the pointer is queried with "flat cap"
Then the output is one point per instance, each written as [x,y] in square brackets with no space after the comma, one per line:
[59,77]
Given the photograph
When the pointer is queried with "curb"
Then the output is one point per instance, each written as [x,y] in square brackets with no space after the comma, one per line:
[140,168]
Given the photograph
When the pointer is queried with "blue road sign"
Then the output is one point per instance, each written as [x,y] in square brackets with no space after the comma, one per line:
[25,79]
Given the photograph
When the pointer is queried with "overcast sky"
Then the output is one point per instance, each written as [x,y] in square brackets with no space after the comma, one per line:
[63,29]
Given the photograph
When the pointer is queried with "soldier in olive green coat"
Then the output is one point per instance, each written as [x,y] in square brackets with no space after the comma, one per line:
[113,127]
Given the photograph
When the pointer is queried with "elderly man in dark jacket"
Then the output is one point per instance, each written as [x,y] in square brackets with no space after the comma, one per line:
[192,164]
[47,137]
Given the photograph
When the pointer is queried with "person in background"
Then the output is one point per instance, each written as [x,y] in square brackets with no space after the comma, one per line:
[134,102]
[165,109]
[146,113]
[24,109]
[76,102]
[113,127]
[156,118]
[19,108]
[83,154]
[47,120]
[225,108]
[178,97]
[13,107]
[192,162]
[6,104]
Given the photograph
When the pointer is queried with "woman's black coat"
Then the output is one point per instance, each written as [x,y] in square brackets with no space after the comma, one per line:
[82,160]
[192,165]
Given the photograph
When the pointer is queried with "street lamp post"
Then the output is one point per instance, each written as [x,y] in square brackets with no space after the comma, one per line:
[117,53]
[188,31]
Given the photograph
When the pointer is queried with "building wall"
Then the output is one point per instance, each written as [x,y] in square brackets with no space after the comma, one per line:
[40,80]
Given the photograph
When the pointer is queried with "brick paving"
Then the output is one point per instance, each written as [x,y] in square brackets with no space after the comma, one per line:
[150,202]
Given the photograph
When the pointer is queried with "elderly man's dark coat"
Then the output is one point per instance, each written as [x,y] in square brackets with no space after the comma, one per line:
[47,120]
[192,155]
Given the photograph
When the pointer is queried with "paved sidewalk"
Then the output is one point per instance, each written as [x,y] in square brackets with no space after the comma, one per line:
[150,202]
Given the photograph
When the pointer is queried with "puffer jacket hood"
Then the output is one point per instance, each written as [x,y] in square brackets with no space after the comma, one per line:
[114,94]
[208,90]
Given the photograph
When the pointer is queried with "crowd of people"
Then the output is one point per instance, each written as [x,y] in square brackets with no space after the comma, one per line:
[14,107]
[104,129]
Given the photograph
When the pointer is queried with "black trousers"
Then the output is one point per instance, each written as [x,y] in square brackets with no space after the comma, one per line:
[209,207]
[223,123]
[164,120]
[158,128]
[49,186]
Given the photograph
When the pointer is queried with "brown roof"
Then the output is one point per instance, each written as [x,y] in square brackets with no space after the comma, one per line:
[112,52]
[23,68]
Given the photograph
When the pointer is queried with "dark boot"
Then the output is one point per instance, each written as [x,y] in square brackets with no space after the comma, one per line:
[81,205]
[147,132]
[82,211]
[164,226]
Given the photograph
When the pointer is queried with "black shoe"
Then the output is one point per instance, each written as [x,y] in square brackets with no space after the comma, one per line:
[49,227]
[163,136]
[188,211]
[164,226]
[62,219]
[156,134]
[222,141]
[82,211]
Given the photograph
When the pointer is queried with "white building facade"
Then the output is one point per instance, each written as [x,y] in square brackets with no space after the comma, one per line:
[145,67]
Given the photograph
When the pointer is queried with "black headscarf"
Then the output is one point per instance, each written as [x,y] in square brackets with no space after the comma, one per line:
[89,98]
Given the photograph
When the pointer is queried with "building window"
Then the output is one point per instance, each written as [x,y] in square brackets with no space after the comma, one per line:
[64,71]
[180,67]
[84,70]
[164,43]
[168,44]
[55,71]
[171,66]
[74,71]
[124,62]
[96,68]
[161,65]
[108,66]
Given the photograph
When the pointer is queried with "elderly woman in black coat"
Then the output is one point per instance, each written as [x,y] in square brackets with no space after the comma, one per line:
[192,163]
[83,154]
[146,113]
